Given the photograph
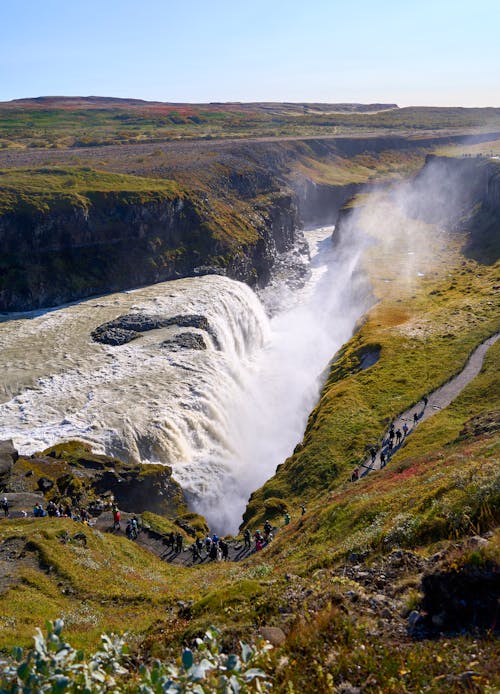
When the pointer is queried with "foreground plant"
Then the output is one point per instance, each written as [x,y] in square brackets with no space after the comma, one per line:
[52,665]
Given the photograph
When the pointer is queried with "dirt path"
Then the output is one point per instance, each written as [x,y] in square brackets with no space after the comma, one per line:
[434,402]
[156,543]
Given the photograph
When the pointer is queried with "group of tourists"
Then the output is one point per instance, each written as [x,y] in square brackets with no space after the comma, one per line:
[213,547]
[395,438]
[53,510]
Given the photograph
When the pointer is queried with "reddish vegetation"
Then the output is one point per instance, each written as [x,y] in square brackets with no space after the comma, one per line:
[77,103]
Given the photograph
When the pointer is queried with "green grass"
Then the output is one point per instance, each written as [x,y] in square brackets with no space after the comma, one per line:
[440,488]
[414,322]
[45,189]
[77,126]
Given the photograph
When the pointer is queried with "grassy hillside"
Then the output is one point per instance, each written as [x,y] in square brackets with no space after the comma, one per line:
[430,302]
[43,189]
[343,584]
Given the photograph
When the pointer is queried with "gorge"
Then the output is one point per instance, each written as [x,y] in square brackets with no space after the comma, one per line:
[223,416]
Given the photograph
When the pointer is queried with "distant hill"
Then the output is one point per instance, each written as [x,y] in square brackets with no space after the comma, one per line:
[107,102]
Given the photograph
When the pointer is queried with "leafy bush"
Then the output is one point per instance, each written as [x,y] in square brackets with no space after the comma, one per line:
[52,665]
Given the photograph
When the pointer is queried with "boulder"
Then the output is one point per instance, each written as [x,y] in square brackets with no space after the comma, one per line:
[185,341]
[274,635]
[8,455]
[44,484]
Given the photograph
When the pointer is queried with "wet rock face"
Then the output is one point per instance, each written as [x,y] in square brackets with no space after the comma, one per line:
[185,341]
[128,327]
[142,489]
[8,455]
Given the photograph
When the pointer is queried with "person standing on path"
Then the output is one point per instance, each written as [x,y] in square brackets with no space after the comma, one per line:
[116,518]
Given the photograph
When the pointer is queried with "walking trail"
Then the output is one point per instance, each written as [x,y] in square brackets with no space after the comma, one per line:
[434,402]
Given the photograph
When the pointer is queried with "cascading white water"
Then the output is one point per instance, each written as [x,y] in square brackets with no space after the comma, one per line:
[140,401]
[281,382]
[225,417]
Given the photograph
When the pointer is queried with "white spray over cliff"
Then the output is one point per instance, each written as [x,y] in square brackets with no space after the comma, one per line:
[223,417]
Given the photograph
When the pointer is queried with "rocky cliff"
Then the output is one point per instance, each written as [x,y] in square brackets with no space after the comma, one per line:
[197,209]
[74,246]
[459,193]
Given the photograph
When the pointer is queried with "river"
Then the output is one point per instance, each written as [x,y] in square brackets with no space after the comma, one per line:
[223,417]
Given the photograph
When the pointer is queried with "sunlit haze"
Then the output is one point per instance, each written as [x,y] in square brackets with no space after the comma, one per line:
[431,52]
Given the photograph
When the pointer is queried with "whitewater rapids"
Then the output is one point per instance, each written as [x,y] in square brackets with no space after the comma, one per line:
[223,417]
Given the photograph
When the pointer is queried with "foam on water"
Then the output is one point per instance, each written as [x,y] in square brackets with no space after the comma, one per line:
[225,417]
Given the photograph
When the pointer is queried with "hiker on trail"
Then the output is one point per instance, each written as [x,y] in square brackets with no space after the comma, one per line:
[355,474]
[398,436]
[426,400]
[405,429]
[287,518]
[130,531]
[208,544]
[135,524]
[267,528]
[194,550]
[38,511]
[224,548]
[383,459]
[247,538]
[390,447]
[52,509]
[5,506]
[391,433]
[259,543]
[373,454]
[415,419]
[171,540]
[178,543]
[303,509]
[116,518]
[199,544]
[214,551]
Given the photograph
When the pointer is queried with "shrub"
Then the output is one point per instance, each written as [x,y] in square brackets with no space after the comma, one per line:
[52,665]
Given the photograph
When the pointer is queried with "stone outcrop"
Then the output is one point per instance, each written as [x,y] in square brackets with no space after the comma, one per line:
[185,341]
[128,327]
[8,455]
[72,471]
[113,241]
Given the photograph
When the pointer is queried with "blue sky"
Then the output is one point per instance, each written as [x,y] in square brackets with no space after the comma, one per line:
[427,52]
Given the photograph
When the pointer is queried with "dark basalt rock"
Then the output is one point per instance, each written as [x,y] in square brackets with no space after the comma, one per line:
[8,455]
[44,484]
[128,327]
[458,600]
[185,341]
[145,488]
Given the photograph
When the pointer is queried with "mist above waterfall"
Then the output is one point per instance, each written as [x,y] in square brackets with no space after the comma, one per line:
[281,384]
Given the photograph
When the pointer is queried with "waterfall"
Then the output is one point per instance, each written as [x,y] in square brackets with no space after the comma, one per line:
[140,401]
[223,417]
